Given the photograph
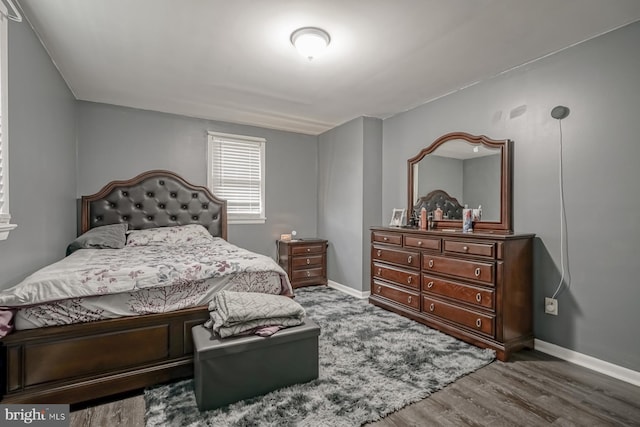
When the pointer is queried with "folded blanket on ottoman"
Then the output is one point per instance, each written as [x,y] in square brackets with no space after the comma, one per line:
[235,313]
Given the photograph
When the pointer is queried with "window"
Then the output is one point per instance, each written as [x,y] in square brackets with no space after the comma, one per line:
[235,167]
[5,217]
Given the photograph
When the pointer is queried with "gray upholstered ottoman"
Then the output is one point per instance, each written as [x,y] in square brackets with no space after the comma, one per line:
[231,369]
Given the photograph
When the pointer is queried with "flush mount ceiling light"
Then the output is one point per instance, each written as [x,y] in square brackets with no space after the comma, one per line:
[310,41]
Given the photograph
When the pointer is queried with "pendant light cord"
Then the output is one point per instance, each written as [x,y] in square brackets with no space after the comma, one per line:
[563,215]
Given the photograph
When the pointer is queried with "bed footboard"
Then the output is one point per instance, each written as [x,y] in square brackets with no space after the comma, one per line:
[77,363]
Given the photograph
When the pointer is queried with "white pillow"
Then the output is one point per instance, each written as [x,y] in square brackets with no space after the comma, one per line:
[192,234]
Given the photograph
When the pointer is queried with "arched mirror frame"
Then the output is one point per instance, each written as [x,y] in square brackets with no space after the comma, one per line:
[506,179]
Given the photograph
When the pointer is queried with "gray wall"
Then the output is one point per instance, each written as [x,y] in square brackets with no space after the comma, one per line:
[440,173]
[119,143]
[346,155]
[42,155]
[599,81]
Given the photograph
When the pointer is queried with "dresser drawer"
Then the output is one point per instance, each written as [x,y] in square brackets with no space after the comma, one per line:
[469,248]
[401,296]
[420,242]
[396,275]
[481,297]
[307,273]
[467,269]
[478,322]
[387,238]
[311,248]
[396,256]
[299,262]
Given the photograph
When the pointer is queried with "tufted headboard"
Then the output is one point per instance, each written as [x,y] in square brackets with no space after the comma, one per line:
[451,208]
[156,198]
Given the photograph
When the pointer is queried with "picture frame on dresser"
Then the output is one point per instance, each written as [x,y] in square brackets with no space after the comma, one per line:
[397,217]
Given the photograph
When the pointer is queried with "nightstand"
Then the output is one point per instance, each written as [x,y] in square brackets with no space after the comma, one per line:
[304,260]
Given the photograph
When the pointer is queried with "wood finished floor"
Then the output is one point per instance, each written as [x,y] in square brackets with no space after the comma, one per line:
[533,389]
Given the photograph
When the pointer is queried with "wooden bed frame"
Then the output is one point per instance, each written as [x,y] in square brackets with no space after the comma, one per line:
[81,362]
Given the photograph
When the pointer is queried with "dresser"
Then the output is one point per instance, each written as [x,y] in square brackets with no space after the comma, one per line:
[305,261]
[474,286]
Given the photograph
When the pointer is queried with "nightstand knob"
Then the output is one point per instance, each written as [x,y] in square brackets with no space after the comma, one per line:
[477,272]
[379,271]
[478,297]
[379,289]
[465,248]
[419,242]
[379,252]
[308,274]
[385,239]
[308,249]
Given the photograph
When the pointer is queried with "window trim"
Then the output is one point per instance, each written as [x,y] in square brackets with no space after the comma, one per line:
[5,215]
[236,218]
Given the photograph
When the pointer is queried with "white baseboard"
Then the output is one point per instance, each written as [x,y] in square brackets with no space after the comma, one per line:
[348,290]
[615,371]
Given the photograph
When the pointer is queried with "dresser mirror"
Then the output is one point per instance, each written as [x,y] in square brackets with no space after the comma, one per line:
[461,169]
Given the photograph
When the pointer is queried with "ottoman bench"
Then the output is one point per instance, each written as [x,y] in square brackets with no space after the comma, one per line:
[227,370]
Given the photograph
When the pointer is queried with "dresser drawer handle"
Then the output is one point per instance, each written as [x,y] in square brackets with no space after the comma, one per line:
[308,249]
[385,238]
[432,307]
[409,279]
[465,248]
[308,261]
[478,323]
[430,284]
[379,289]
[409,259]
[419,242]
[478,297]
[409,300]
[379,252]
[477,272]
[308,274]
[379,272]
[430,263]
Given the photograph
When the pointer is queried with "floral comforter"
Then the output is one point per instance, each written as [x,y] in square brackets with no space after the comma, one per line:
[140,274]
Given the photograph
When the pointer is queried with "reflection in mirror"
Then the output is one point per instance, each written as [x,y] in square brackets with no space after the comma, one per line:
[466,172]
[460,170]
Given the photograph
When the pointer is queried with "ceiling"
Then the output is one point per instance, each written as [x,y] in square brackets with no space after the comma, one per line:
[233,61]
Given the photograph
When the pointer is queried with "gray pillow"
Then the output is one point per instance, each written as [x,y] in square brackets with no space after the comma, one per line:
[108,236]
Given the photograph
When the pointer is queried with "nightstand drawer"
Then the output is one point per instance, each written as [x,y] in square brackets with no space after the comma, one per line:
[307,249]
[299,262]
[308,273]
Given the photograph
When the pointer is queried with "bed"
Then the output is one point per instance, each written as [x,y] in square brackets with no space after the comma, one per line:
[450,206]
[97,352]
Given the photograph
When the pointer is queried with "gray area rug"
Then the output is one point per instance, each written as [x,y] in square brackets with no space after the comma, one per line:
[372,363]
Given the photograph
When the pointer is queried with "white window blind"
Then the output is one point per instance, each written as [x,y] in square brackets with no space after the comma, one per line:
[236,174]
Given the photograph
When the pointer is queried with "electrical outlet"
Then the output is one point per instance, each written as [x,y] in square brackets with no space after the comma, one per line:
[551,306]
